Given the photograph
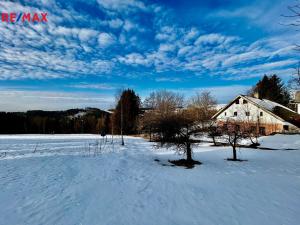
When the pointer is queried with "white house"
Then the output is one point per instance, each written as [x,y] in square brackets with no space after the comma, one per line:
[295,103]
[261,114]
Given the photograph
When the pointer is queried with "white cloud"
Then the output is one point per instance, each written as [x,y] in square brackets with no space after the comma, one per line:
[274,65]
[122,5]
[55,50]
[162,36]
[105,40]
[192,34]
[168,79]
[166,47]
[285,51]
[134,59]
[101,86]
[244,57]
[115,23]
[87,34]
[167,34]
[209,39]
[122,38]
[129,26]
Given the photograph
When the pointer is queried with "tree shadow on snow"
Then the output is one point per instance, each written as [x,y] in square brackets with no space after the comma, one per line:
[188,164]
[236,160]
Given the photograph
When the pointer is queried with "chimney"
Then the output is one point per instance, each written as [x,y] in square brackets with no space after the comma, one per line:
[256,94]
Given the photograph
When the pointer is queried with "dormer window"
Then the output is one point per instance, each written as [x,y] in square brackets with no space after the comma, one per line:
[237,101]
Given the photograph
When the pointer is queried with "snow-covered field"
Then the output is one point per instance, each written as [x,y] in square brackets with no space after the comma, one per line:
[69,179]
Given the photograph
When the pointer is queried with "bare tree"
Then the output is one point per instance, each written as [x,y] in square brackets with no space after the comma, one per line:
[213,131]
[159,104]
[147,120]
[294,20]
[204,105]
[176,130]
[171,125]
[234,133]
[164,102]
[294,14]
[294,82]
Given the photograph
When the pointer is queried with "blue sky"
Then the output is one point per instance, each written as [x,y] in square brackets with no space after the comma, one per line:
[89,50]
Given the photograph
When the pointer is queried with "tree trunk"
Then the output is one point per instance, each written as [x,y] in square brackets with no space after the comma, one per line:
[188,152]
[214,140]
[234,152]
[122,138]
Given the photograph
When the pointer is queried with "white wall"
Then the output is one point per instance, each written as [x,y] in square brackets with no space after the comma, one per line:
[254,111]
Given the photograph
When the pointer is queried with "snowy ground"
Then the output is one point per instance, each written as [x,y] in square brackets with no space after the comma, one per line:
[63,179]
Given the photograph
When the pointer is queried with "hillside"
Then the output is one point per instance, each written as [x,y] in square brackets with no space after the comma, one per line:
[88,120]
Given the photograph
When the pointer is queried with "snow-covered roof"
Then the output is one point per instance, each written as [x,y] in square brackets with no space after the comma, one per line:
[108,111]
[266,104]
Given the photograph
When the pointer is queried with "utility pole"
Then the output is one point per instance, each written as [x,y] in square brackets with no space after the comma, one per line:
[122,139]
[112,131]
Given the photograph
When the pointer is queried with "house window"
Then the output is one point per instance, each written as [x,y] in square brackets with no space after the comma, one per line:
[245,101]
[262,130]
[225,114]
[235,114]
[261,113]
[247,113]
[237,101]
[285,127]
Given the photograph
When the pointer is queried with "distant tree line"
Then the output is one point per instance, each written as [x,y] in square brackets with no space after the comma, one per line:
[165,117]
[88,120]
